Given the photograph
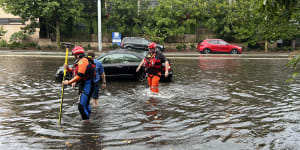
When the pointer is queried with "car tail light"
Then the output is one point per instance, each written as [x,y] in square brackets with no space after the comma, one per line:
[122,44]
[199,45]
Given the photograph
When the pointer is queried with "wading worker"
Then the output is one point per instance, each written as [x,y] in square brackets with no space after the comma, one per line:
[153,66]
[99,71]
[84,73]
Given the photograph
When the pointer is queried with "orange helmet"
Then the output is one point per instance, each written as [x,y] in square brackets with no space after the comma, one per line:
[77,50]
[152,45]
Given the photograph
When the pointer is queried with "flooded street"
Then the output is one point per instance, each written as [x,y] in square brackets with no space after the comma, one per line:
[211,104]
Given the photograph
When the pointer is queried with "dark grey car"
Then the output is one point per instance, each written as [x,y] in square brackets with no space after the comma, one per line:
[121,63]
[138,43]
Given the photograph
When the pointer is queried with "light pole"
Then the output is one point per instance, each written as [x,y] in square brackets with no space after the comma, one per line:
[99,27]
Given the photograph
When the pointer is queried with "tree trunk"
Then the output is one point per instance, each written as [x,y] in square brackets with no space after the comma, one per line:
[293,44]
[57,35]
[246,47]
[266,46]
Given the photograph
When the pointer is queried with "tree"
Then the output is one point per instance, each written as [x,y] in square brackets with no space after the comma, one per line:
[244,20]
[278,16]
[53,11]
[219,19]
[123,17]
[170,18]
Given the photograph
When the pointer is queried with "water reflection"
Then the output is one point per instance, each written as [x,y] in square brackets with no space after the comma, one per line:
[225,103]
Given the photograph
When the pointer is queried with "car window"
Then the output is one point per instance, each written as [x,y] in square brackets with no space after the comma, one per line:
[112,59]
[144,42]
[222,43]
[130,58]
[212,42]
[138,41]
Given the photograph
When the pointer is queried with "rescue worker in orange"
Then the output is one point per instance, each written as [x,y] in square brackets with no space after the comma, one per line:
[83,75]
[153,66]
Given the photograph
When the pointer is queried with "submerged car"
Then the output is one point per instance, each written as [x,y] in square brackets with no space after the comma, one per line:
[121,63]
[138,43]
[218,46]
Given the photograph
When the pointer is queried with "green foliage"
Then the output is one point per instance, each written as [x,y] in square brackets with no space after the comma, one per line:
[179,46]
[184,46]
[114,46]
[293,63]
[16,45]
[31,45]
[2,32]
[3,43]
[53,12]
[171,18]
[277,19]
[125,17]
[89,46]
[17,37]
[192,46]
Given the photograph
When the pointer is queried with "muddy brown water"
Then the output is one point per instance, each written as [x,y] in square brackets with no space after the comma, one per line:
[210,104]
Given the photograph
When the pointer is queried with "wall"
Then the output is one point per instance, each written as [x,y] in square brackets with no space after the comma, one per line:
[15,27]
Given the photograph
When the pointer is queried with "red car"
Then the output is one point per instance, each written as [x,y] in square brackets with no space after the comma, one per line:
[218,45]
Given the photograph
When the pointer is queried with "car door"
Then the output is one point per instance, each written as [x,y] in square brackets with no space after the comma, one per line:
[131,62]
[138,43]
[222,46]
[213,45]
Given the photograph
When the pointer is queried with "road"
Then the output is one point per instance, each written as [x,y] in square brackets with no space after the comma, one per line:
[178,55]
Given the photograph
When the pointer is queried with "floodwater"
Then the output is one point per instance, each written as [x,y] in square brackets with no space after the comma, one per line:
[211,104]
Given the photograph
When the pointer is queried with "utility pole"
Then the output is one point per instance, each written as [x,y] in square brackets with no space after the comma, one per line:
[139,7]
[99,27]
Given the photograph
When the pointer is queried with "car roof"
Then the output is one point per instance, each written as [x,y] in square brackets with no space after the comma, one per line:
[133,38]
[212,39]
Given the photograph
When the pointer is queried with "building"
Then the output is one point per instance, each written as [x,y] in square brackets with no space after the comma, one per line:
[13,24]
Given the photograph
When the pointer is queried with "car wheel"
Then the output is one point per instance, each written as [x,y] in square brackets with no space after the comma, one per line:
[206,51]
[234,51]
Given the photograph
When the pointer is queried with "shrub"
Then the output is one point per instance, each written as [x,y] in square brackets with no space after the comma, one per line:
[89,46]
[31,44]
[16,45]
[179,46]
[184,46]
[114,46]
[192,46]
[3,43]
[18,37]
[2,32]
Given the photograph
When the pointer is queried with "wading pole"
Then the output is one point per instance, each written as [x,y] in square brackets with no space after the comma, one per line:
[67,45]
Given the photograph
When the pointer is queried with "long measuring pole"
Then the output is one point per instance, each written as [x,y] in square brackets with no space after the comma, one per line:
[63,87]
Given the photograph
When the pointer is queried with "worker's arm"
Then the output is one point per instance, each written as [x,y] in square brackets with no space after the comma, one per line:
[139,67]
[167,68]
[82,65]
[103,80]
[67,68]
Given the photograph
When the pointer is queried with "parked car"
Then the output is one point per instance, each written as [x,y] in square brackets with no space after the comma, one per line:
[138,43]
[218,46]
[121,63]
